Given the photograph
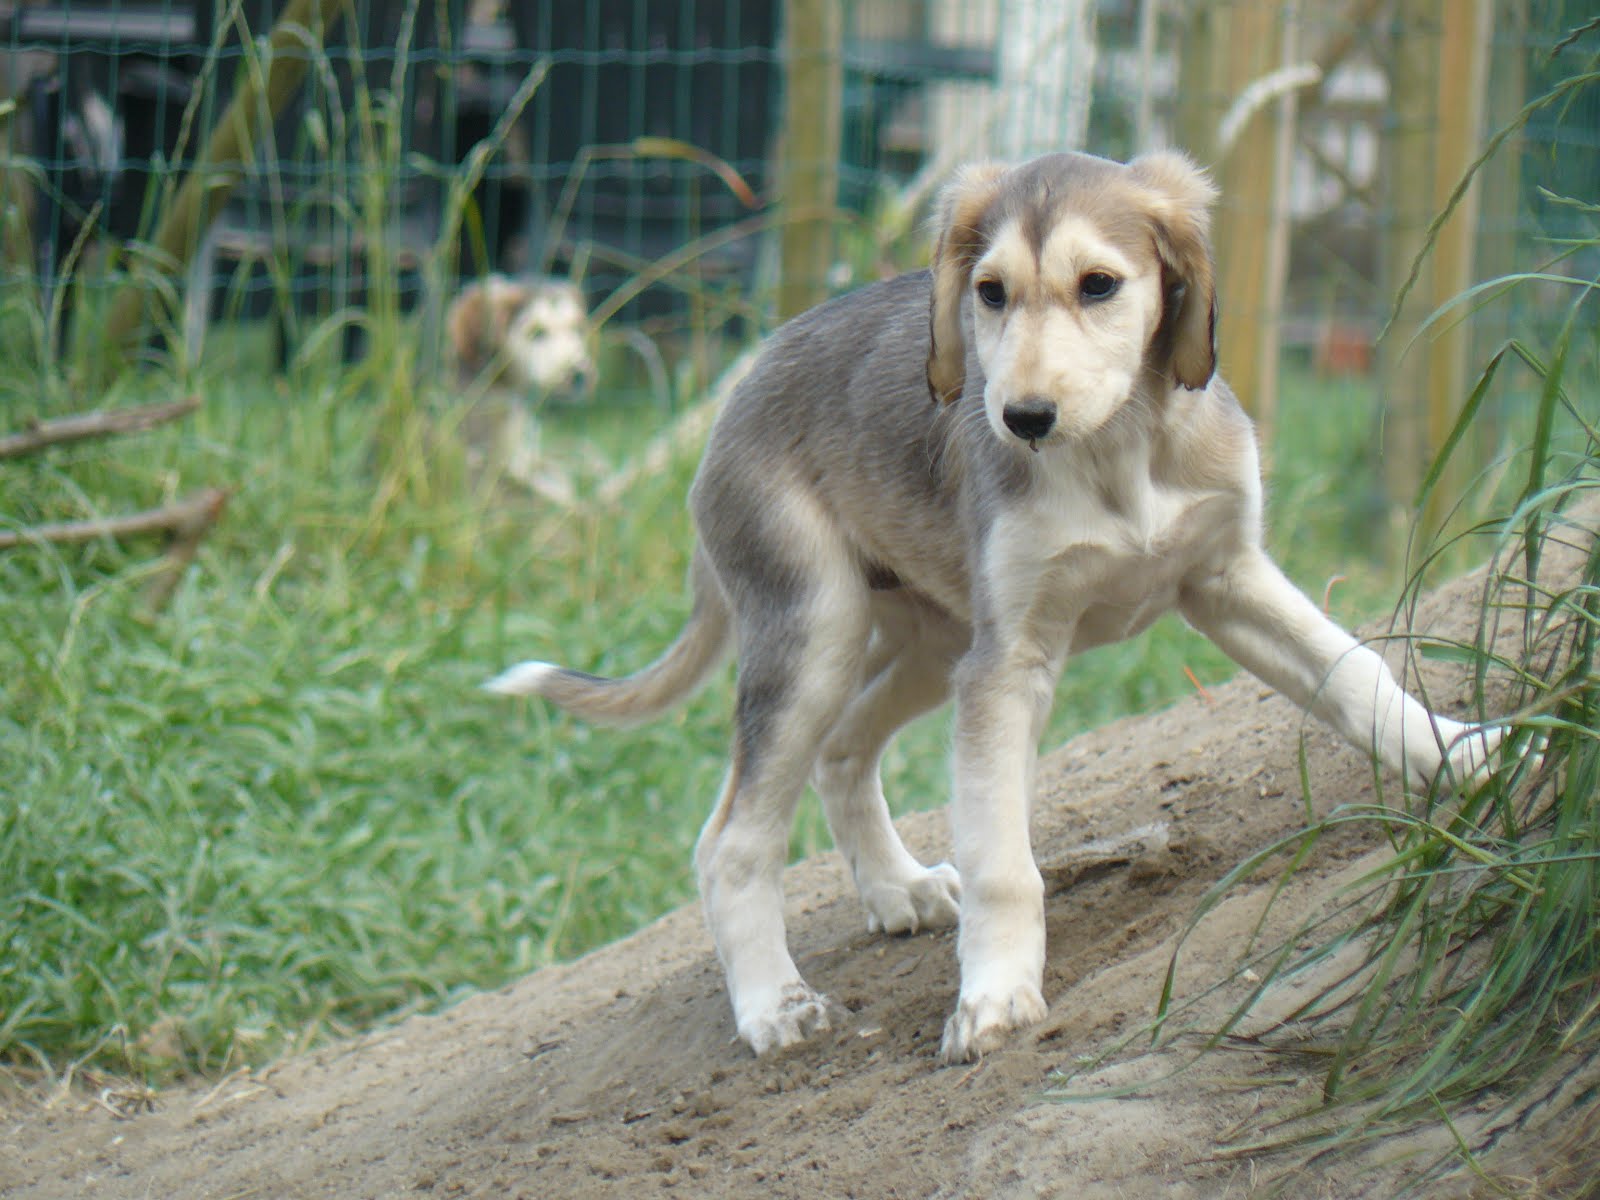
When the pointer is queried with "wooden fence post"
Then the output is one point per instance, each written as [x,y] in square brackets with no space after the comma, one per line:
[1046,51]
[1500,205]
[1201,81]
[1406,174]
[1437,86]
[1231,53]
[1463,91]
[809,163]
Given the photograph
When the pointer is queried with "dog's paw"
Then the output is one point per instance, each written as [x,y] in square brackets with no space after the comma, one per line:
[984,1021]
[1472,751]
[798,1013]
[930,899]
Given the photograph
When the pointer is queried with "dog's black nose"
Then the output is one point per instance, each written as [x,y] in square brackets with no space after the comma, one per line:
[1030,419]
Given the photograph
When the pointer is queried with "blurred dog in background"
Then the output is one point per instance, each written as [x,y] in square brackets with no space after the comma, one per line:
[522,342]
[527,335]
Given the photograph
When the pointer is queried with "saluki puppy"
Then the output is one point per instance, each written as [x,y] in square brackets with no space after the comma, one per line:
[516,344]
[530,336]
[1079,470]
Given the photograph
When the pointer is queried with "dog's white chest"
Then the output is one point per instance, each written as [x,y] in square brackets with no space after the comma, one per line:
[1106,561]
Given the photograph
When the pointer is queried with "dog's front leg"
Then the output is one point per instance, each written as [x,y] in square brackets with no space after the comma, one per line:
[1264,623]
[1003,695]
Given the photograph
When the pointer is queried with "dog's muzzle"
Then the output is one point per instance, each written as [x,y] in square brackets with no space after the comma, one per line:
[1030,419]
[574,382]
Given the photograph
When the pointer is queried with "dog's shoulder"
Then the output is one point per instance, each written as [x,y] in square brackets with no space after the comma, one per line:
[1208,441]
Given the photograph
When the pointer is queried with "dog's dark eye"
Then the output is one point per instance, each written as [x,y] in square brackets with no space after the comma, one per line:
[992,292]
[1097,285]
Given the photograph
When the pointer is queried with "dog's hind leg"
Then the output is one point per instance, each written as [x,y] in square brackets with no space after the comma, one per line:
[908,674]
[798,663]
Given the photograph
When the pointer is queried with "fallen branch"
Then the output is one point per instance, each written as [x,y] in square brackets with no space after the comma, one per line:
[187,519]
[205,509]
[106,423]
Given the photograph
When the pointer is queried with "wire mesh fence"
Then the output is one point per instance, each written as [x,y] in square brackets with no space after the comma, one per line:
[657,152]
[110,107]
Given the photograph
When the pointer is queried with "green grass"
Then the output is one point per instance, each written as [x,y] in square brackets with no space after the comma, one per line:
[282,806]
[284,802]
[1475,935]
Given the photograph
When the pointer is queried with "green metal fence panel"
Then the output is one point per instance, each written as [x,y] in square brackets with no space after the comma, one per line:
[654,135]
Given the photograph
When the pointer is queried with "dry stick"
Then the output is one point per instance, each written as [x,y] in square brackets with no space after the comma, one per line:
[203,511]
[105,423]
[188,519]
[231,143]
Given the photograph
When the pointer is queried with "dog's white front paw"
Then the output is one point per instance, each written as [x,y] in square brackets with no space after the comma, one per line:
[795,1014]
[1469,752]
[1474,753]
[931,899]
[983,1020]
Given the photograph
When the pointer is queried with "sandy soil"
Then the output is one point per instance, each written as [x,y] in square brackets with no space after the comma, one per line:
[619,1075]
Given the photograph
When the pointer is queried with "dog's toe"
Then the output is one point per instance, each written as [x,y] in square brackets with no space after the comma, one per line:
[1484,753]
[1473,754]
[983,1023]
[800,1013]
[929,900]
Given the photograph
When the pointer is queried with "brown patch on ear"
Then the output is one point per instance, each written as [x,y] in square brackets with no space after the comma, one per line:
[962,207]
[479,319]
[1180,199]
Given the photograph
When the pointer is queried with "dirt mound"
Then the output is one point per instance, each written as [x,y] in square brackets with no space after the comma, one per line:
[620,1075]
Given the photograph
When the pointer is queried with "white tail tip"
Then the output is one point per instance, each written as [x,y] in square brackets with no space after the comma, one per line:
[524,679]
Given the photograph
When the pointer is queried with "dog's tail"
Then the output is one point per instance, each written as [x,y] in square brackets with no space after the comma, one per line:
[672,678]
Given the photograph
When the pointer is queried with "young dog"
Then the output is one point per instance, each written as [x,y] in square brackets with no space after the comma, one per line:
[1079,470]
[530,336]
[521,341]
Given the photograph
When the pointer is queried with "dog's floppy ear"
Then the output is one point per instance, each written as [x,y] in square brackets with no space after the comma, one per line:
[961,209]
[1180,198]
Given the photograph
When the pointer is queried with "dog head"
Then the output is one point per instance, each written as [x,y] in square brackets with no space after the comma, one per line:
[1075,276]
[528,334]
